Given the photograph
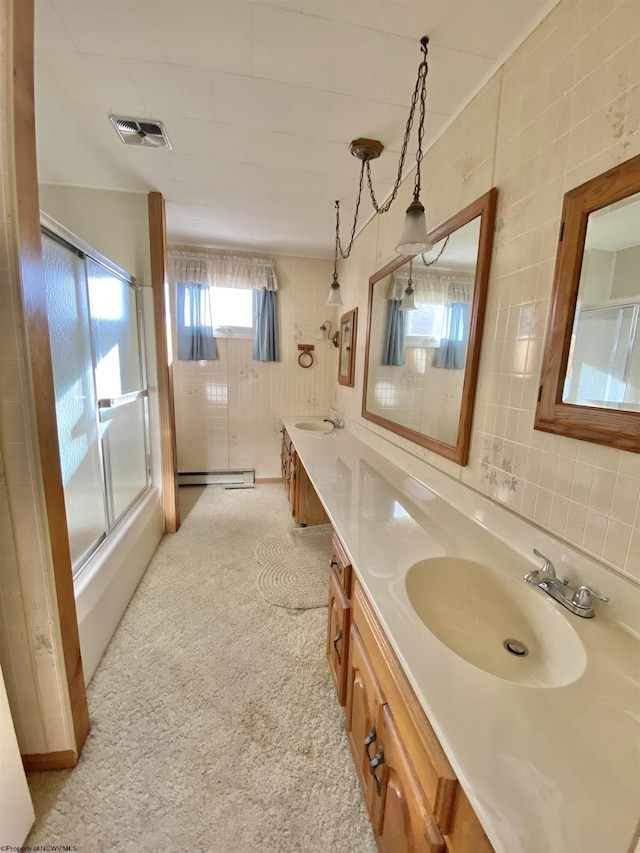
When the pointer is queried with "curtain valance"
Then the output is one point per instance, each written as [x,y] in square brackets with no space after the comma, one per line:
[434,288]
[222,270]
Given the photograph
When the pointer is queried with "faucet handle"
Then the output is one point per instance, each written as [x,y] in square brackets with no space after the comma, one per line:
[582,596]
[548,566]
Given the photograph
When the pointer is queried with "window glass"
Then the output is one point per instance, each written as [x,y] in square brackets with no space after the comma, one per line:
[232,312]
[424,325]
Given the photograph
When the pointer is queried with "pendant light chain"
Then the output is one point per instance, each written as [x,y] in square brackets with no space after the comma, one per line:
[438,256]
[419,92]
[344,253]
[416,236]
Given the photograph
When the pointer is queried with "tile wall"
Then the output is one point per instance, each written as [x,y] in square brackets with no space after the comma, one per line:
[563,108]
[228,411]
[30,649]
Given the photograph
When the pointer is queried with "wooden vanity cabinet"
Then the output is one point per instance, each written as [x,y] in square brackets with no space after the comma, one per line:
[398,808]
[303,498]
[413,796]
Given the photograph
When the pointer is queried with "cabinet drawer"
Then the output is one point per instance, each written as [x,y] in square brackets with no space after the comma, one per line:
[342,565]
[432,767]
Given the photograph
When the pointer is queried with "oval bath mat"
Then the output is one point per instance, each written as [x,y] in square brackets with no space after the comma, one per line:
[286,583]
[272,548]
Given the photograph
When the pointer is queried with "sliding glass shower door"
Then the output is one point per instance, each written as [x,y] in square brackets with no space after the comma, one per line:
[95,329]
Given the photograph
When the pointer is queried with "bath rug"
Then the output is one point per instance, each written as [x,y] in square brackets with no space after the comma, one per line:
[287,582]
[272,548]
[309,542]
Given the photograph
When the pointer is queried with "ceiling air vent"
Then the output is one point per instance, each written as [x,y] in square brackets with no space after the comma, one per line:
[144,133]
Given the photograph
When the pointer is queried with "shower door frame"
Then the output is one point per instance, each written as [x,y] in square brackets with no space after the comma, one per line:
[57,232]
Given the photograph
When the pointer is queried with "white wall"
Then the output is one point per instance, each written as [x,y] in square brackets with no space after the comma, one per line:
[16,809]
[228,411]
[564,108]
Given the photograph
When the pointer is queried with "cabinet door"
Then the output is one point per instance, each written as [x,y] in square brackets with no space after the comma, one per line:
[401,817]
[338,636]
[284,457]
[364,699]
[309,511]
[288,467]
[342,565]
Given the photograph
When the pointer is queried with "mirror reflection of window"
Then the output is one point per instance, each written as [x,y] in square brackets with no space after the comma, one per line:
[421,352]
[421,363]
[603,370]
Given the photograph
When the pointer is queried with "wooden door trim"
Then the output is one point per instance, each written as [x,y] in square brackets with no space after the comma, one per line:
[29,250]
[159,285]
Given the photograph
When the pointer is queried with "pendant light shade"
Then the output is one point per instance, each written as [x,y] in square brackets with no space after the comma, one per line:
[334,292]
[414,238]
[408,300]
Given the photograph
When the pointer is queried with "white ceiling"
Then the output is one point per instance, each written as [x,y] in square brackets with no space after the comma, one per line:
[260,100]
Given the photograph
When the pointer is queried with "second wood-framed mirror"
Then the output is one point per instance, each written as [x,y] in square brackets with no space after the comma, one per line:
[421,364]
[347,348]
[590,381]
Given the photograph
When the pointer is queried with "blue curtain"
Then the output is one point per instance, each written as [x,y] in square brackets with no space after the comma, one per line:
[193,322]
[453,344]
[265,346]
[393,351]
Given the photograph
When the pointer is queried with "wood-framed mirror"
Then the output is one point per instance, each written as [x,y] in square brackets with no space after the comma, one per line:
[347,348]
[421,364]
[590,379]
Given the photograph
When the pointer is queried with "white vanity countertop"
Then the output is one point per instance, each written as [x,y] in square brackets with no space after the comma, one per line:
[547,770]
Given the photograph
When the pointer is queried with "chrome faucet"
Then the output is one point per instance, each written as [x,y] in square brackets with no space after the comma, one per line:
[578,601]
[335,422]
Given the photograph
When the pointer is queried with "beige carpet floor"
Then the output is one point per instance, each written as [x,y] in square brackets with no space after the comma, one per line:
[215,726]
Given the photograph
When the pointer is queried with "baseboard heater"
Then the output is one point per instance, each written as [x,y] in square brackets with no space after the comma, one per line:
[246,477]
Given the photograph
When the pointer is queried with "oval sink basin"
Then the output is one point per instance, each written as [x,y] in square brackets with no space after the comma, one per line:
[494,622]
[314,426]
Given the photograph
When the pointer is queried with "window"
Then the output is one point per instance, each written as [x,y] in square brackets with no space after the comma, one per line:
[424,325]
[232,312]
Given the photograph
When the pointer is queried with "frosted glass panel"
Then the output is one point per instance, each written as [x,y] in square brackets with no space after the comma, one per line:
[78,436]
[114,319]
[125,455]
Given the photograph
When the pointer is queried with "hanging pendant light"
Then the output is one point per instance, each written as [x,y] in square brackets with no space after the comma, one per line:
[334,291]
[414,238]
[408,300]
[334,297]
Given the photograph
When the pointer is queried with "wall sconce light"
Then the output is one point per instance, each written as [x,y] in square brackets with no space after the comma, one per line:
[414,237]
[324,333]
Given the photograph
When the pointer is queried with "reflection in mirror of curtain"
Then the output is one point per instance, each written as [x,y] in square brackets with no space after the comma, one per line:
[421,363]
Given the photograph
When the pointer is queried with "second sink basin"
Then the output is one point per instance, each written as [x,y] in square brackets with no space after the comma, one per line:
[314,426]
[495,622]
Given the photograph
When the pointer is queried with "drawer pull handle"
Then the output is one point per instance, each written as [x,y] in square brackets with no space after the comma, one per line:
[375,762]
[336,565]
[335,642]
[370,738]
